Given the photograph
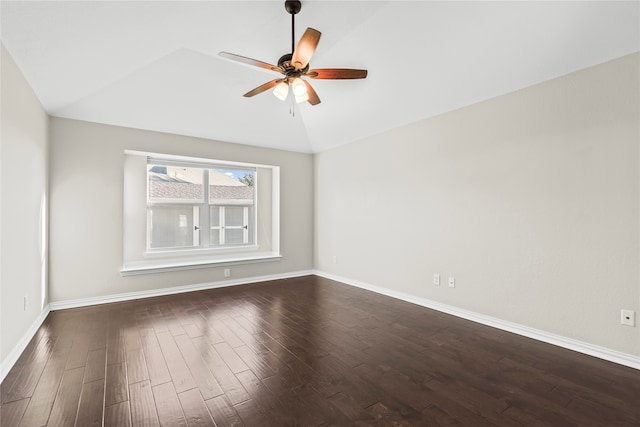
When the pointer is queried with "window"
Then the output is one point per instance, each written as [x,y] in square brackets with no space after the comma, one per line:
[191,206]
[187,212]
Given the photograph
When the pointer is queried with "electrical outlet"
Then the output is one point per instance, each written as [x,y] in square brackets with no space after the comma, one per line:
[24,303]
[335,259]
[452,282]
[628,317]
[227,272]
[436,279]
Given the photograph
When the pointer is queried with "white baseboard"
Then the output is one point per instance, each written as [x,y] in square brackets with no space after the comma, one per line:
[537,334]
[13,356]
[84,302]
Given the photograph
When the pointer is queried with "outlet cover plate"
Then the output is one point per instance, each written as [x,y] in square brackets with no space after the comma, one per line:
[628,317]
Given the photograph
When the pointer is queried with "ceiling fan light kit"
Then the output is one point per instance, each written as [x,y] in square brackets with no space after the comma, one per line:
[298,86]
[295,65]
[281,91]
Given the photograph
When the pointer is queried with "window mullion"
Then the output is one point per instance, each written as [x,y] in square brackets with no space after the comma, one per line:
[222,226]
[245,221]
[205,212]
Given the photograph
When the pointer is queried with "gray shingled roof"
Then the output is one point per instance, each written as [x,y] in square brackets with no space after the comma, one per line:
[163,187]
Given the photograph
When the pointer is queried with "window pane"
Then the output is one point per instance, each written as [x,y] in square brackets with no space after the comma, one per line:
[170,226]
[231,186]
[175,184]
[214,216]
[234,236]
[214,237]
[234,216]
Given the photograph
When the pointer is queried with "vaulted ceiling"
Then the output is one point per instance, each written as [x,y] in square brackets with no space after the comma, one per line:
[155,65]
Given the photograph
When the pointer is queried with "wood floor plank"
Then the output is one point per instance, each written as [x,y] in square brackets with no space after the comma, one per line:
[175,328]
[90,410]
[117,415]
[40,340]
[98,335]
[29,372]
[168,406]
[266,401]
[10,380]
[11,413]
[136,366]
[227,334]
[285,387]
[156,366]
[131,339]
[350,408]
[116,384]
[258,364]
[96,365]
[230,357]
[250,414]
[178,369]
[143,407]
[317,404]
[223,412]
[232,388]
[192,330]
[148,338]
[348,381]
[207,384]
[211,335]
[236,329]
[79,351]
[41,402]
[115,348]
[65,406]
[195,410]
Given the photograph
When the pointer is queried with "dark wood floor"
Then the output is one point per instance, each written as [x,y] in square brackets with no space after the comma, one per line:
[304,351]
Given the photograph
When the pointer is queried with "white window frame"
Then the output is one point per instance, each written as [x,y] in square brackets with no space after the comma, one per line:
[138,259]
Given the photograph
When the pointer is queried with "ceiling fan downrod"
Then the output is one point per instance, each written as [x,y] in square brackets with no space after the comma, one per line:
[293,7]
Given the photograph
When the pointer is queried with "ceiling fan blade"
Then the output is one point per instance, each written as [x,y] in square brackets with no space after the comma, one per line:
[249,61]
[313,96]
[262,88]
[305,48]
[336,73]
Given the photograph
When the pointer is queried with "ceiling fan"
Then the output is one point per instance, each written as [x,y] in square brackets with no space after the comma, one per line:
[295,65]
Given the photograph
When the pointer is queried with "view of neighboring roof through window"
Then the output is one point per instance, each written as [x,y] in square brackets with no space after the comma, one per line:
[181,214]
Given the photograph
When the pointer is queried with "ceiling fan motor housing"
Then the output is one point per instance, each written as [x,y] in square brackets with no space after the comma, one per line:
[289,70]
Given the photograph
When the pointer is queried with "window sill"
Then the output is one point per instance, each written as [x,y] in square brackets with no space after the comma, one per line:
[151,267]
[200,252]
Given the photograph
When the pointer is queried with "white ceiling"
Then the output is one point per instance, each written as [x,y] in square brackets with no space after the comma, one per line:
[154,64]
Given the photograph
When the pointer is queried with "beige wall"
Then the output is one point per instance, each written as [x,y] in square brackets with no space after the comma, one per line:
[531,200]
[86,248]
[23,210]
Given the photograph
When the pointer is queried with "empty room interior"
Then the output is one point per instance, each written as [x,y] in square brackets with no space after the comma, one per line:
[322,213]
